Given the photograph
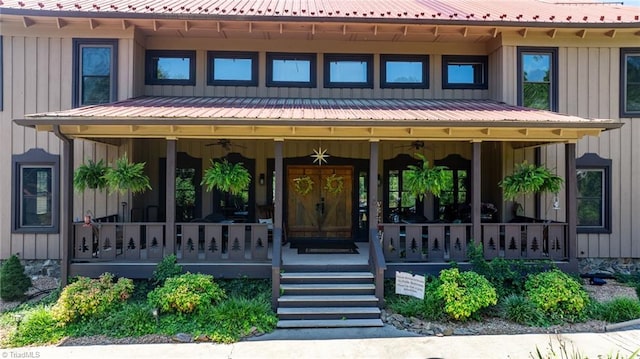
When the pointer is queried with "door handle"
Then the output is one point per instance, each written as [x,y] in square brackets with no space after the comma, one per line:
[320,206]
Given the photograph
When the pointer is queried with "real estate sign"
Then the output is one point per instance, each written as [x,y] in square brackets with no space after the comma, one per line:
[410,284]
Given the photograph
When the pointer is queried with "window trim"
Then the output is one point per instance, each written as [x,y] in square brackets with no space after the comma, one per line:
[623,81]
[424,59]
[212,55]
[151,72]
[311,57]
[553,51]
[35,157]
[328,58]
[482,59]
[591,161]
[78,43]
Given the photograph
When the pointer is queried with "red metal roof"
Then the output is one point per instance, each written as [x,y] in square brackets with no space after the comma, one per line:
[199,110]
[478,11]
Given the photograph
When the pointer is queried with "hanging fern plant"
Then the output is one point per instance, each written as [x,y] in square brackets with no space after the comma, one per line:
[420,180]
[529,178]
[90,175]
[227,177]
[127,176]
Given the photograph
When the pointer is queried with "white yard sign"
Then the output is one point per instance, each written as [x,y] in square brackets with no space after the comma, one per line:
[410,284]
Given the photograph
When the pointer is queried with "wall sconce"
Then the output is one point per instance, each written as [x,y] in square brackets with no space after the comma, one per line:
[261,179]
[556,203]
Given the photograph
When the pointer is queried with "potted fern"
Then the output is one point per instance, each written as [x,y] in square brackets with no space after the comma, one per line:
[528,178]
[227,177]
[423,179]
[127,176]
[90,175]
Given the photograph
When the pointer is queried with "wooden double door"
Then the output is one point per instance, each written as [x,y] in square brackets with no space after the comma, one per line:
[319,201]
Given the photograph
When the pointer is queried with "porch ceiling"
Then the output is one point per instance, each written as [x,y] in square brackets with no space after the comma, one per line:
[297,118]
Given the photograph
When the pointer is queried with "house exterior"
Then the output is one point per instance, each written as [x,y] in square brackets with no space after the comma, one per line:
[326,104]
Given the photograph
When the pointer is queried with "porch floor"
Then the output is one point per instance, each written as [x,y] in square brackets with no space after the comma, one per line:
[290,256]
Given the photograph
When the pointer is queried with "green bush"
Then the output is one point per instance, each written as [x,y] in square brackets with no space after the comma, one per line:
[557,294]
[13,282]
[37,327]
[465,293]
[87,297]
[620,310]
[167,268]
[129,320]
[186,293]
[521,310]
[430,308]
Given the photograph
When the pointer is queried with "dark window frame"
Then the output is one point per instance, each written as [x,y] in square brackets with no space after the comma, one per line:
[311,57]
[151,71]
[328,58]
[483,84]
[424,59]
[553,51]
[591,161]
[623,80]
[35,158]
[78,43]
[212,55]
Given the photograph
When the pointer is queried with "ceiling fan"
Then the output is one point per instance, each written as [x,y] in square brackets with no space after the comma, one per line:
[416,145]
[224,144]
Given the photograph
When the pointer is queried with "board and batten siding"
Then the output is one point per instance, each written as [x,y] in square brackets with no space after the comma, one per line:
[38,78]
[589,86]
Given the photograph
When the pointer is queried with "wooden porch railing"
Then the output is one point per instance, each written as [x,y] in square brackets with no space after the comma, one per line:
[193,242]
[441,242]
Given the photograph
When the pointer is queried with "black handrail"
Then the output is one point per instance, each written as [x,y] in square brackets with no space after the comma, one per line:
[378,263]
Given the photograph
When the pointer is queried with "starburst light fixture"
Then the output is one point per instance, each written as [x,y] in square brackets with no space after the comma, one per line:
[319,156]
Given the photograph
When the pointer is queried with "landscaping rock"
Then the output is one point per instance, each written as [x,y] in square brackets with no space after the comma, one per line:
[182,338]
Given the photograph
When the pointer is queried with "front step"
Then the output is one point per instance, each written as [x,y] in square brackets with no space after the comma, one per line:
[328,288]
[324,313]
[298,301]
[326,277]
[329,323]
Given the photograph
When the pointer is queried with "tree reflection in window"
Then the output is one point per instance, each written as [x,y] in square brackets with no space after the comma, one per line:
[185,194]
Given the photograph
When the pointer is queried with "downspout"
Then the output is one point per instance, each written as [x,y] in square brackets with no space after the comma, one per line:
[66,229]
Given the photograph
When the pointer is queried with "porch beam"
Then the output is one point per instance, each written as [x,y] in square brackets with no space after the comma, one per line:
[476,195]
[170,205]
[373,185]
[277,223]
[571,205]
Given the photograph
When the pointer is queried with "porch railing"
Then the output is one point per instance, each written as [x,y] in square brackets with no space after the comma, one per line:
[441,242]
[193,242]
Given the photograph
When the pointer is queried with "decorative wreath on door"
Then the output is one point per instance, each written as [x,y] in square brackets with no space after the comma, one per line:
[334,184]
[303,185]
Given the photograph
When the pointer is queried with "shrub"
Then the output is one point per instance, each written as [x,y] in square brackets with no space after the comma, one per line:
[620,310]
[465,293]
[13,282]
[86,298]
[37,327]
[557,294]
[167,268]
[130,320]
[186,293]
[429,308]
[521,310]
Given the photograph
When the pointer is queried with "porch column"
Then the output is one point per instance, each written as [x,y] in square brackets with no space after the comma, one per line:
[572,209]
[476,195]
[66,204]
[170,205]
[373,187]
[278,223]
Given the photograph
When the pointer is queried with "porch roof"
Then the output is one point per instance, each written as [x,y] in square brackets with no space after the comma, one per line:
[246,117]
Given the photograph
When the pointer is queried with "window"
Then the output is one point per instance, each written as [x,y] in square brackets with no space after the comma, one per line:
[464,72]
[630,82]
[94,71]
[453,203]
[399,203]
[35,196]
[229,68]
[291,70]
[538,78]
[404,71]
[594,194]
[170,67]
[348,71]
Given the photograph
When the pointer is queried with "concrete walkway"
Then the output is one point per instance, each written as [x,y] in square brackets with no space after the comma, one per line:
[385,342]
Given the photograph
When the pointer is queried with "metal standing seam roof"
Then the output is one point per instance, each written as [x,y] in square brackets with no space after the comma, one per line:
[413,112]
[490,11]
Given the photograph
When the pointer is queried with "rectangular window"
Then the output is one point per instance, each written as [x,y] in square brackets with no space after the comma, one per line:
[593,199]
[404,71]
[170,67]
[95,71]
[537,78]
[348,71]
[35,196]
[464,72]
[630,82]
[291,70]
[230,68]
